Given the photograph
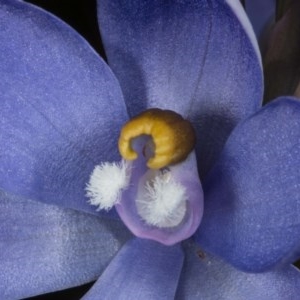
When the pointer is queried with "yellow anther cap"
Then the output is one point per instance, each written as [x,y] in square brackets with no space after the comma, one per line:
[173,137]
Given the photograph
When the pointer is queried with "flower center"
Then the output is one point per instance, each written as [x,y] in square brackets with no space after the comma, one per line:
[173,137]
[155,188]
[160,201]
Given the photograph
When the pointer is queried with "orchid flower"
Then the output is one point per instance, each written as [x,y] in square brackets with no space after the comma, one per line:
[64,111]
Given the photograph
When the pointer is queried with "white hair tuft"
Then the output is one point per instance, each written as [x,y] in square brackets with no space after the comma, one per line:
[106,183]
[162,202]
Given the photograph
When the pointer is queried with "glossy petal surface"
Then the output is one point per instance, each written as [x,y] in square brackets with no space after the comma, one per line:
[61,108]
[252,203]
[44,248]
[141,270]
[207,277]
[176,55]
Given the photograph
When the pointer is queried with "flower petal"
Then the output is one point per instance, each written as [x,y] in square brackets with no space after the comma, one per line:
[176,55]
[241,15]
[45,248]
[61,108]
[141,270]
[207,277]
[252,204]
[261,14]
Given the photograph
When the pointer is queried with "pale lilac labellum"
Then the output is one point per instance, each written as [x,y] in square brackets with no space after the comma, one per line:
[185,173]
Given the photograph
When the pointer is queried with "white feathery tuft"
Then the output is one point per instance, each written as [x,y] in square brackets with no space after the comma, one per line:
[106,184]
[162,203]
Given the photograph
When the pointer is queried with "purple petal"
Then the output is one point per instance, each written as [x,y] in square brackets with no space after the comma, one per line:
[141,270]
[193,57]
[61,108]
[207,277]
[45,248]
[239,11]
[261,15]
[252,203]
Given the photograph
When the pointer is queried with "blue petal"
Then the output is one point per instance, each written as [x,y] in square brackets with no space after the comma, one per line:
[61,108]
[193,57]
[252,204]
[44,248]
[261,14]
[142,270]
[207,277]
